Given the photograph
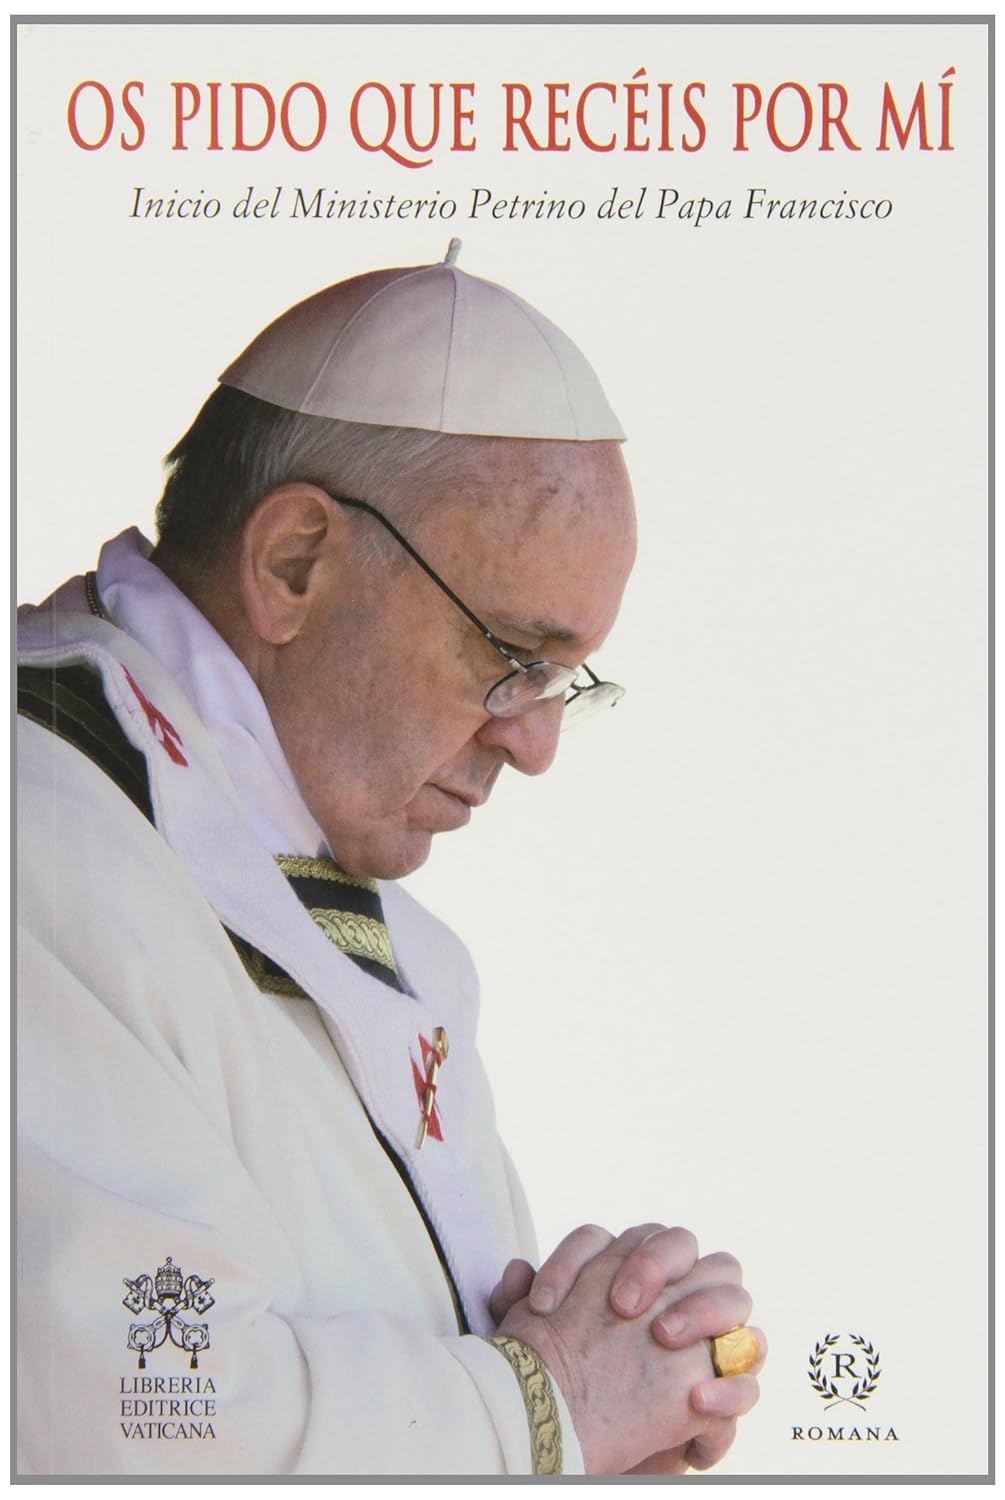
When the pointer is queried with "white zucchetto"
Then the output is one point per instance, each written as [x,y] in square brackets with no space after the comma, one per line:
[428,347]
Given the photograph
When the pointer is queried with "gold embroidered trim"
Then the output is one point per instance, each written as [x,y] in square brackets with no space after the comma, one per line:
[539,1399]
[322,869]
[271,984]
[363,937]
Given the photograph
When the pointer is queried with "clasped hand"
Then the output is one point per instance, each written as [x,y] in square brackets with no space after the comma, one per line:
[622,1325]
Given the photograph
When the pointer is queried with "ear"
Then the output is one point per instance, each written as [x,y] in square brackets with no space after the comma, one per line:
[291,542]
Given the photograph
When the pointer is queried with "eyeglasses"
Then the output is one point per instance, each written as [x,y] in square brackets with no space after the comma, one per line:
[527,683]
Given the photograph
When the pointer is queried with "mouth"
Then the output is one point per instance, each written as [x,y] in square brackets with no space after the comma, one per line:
[448,807]
[466,799]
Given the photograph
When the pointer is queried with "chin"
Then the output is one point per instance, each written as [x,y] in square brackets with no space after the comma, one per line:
[386,858]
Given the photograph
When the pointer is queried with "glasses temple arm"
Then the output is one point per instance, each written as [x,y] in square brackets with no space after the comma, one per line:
[416,557]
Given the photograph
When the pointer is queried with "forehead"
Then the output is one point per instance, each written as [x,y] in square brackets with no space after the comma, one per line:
[541,535]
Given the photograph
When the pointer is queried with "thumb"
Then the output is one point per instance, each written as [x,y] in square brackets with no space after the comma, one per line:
[513,1285]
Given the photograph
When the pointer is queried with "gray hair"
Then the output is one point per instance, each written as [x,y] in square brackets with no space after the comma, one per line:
[239,448]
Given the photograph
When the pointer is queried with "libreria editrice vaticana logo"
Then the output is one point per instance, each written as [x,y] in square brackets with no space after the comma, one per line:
[168,1296]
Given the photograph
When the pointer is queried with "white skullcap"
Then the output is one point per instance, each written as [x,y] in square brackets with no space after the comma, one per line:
[428,347]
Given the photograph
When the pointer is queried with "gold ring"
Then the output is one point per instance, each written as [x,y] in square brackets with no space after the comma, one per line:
[735,1352]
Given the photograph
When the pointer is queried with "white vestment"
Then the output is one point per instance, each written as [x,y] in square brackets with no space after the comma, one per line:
[169,1108]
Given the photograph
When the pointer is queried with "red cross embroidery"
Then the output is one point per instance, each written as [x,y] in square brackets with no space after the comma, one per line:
[434,1128]
[162,729]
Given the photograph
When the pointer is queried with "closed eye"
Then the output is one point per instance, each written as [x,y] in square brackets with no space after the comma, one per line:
[522,653]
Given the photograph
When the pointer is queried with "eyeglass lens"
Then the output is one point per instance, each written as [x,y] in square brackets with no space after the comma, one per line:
[518,693]
[582,705]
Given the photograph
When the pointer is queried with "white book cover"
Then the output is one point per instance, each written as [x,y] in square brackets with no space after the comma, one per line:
[733,948]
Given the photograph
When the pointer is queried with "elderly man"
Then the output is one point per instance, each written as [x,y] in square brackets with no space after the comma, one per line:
[250,1095]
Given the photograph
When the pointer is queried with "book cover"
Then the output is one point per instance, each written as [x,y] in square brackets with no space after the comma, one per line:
[733,947]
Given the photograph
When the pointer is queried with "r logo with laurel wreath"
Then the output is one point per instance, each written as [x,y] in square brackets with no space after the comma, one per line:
[168,1295]
[844,1375]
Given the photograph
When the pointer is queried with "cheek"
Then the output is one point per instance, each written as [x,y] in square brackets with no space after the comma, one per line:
[365,727]
[371,754]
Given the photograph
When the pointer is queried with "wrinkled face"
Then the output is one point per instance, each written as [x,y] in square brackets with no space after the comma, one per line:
[379,701]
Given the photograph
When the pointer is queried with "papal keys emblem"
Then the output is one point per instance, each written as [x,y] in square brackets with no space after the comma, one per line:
[168,1296]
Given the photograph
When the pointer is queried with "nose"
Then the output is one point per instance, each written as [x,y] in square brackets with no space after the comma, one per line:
[528,742]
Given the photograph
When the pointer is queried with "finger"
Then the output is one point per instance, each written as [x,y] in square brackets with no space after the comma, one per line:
[514,1283]
[702,1315]
[717,1269]
[661,1256]
[670,1461]
[726,1396]
[634,1235]
[557,1275]
[709,1447]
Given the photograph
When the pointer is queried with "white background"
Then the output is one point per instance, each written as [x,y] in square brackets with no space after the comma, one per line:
[733,947]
